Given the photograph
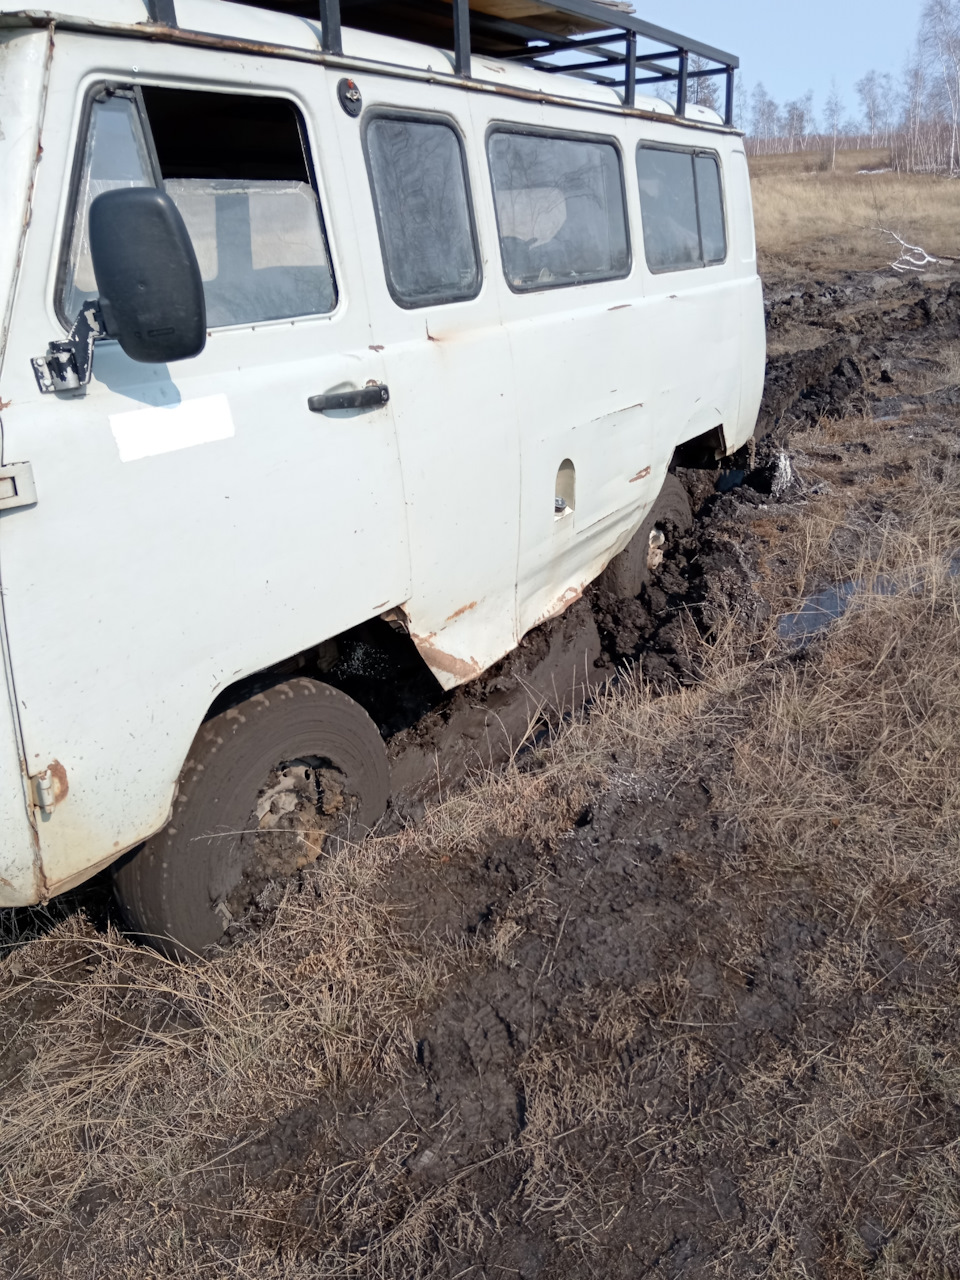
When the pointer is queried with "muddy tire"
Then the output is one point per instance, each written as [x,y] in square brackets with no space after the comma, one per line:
[268,787]
[671,514]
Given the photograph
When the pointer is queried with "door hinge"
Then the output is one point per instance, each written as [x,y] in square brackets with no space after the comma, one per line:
[69,361]
[17,488]
[49,787]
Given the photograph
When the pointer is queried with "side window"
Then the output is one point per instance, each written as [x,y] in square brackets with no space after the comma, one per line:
[681,201]
[560,209]
[237,169]
[424,217]
[710,204]
[115,155]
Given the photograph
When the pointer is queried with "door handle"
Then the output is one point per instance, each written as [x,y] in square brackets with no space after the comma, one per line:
[369,397]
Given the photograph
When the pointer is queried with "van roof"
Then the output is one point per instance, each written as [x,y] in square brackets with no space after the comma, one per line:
[532,67]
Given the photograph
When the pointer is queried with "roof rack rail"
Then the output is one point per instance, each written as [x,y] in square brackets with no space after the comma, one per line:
[614,47]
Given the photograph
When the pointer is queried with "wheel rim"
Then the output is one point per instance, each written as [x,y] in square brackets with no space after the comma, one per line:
[655,548]
[303,811]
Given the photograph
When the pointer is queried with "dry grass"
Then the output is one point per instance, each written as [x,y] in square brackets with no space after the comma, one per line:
[146,1097]
[828,220]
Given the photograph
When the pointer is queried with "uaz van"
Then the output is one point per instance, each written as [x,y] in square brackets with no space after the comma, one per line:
[307,329]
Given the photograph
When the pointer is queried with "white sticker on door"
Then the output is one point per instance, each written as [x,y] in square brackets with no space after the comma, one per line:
[143,433]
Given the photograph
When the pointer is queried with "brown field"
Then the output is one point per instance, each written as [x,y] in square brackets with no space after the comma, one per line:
[674,993]
[813,218]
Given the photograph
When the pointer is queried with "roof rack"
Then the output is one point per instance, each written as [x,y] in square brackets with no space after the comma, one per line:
[612,46]
[597,40]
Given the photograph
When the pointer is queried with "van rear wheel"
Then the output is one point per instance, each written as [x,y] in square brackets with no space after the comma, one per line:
[671,514]
[269,787]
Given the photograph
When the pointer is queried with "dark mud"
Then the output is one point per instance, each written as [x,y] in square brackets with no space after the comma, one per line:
[653,983]
[844,347]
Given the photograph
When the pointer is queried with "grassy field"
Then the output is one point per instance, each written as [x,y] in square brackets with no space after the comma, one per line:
[811,217]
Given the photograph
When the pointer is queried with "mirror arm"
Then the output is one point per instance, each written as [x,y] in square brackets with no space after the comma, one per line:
[68,363]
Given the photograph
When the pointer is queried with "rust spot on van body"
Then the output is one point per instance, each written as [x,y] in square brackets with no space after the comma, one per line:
[5,404]
[461,669]
[569,597]
[57,775]
[464,608]
[641,475]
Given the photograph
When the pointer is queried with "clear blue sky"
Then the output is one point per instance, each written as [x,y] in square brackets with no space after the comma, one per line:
[796,45]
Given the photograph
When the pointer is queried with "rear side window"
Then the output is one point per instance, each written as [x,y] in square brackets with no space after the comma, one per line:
[420,194]
[560,209]
[237,168]
[681,201]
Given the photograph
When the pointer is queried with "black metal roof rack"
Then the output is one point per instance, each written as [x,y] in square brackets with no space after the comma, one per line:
[612,46]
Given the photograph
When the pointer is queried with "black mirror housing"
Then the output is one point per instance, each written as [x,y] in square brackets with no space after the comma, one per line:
[151,293]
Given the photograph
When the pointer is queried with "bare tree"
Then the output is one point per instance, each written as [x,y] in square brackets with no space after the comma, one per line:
[833,115]
[765,119]
[799,121]
[940,42]
[868,91]
[703,89]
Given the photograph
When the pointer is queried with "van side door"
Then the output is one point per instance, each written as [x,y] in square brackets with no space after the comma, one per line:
[572,310]
[436,316]
[694,283]
[193,523]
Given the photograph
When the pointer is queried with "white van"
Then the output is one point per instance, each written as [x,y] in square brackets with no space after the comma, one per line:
[304,331]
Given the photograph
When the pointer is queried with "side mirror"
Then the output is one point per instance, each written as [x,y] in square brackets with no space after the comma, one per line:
[151,294]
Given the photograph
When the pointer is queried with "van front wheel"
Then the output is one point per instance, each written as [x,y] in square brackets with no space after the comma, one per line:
[269,786]
[670,515]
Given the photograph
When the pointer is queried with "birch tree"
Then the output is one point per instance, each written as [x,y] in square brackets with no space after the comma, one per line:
[940,42]
[833,113]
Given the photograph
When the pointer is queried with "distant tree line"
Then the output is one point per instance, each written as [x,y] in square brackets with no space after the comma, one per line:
[916,115]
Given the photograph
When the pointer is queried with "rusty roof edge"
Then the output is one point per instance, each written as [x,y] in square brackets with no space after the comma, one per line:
[230,44]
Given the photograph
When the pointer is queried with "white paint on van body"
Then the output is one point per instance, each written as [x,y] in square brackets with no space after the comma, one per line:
[146,433]
[197,523]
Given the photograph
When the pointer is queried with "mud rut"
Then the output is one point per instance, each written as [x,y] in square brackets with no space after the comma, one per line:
[608,908]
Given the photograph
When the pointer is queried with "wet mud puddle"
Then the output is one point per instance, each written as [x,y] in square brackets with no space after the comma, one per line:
[818,612]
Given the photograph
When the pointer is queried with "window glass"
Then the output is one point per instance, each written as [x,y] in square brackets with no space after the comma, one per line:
[560,210]
[423,211]
[682,206]
[115,156]
[710,204]
[235,167]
